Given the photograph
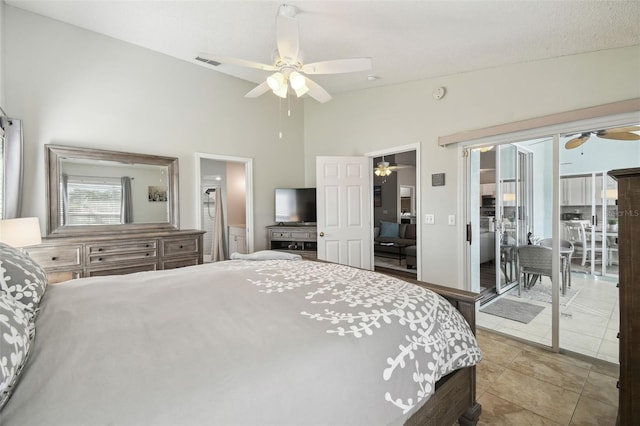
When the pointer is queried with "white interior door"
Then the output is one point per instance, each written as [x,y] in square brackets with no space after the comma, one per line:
[344,210]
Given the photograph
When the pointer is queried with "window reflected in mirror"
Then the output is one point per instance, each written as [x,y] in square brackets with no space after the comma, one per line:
[104,191]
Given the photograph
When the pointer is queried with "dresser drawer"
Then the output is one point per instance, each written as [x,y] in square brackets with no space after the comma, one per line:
[138,267]
[179,263]
[122,252]
[55,257]
[182,246]
[62,276]
[277,235]
[309,236]
[122,247]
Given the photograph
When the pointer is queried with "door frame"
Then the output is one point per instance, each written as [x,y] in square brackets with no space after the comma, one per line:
[248,169]
[418,198]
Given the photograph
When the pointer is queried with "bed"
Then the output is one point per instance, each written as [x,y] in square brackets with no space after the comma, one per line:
[240,342]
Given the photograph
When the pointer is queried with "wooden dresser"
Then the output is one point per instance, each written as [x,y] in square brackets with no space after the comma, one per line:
[629,283]
[77,257]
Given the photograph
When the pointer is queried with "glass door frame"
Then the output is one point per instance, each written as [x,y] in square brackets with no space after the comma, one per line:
[506,244]
[610,115]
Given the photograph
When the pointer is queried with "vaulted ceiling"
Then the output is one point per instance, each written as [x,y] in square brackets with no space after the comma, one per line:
[407,40]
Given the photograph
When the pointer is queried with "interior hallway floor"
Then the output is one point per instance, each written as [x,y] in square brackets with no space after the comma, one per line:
[519,384]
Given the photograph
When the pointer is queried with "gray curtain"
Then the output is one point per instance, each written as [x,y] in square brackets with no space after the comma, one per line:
[126,207]
[64,198]
[11,157]
[217,236]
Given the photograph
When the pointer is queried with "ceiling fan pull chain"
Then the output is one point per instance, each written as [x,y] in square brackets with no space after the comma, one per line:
[280,117]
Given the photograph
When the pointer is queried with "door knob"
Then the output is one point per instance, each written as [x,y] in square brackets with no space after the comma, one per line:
[322,234]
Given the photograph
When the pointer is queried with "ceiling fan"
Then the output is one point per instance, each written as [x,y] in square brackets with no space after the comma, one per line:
[288,64]
[619,133]
[383,168]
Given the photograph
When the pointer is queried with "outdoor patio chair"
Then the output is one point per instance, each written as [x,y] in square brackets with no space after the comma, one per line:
[535,262]
[566,251]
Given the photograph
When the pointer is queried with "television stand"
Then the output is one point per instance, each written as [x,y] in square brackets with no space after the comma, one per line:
[294,238]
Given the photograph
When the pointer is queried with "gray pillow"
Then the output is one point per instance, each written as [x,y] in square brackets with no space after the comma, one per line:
[16,335]
[22,278]
[389,229]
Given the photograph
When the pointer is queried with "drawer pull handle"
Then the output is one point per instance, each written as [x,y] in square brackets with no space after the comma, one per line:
[146,245]
[54,258]
[99,259]
[181,246]
[100,249]
[146,254]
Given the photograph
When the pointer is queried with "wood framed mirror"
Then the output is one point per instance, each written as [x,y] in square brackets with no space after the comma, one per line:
[93,191]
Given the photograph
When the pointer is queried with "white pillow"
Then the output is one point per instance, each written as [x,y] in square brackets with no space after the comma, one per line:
[266,255]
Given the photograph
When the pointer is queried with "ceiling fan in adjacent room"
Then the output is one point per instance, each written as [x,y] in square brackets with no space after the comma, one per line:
[384,168]
[619,133]
[289,69]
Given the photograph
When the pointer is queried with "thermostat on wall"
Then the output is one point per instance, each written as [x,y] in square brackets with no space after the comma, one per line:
[437,179]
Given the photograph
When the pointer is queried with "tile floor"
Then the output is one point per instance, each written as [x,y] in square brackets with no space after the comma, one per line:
[519,384]
[588,324]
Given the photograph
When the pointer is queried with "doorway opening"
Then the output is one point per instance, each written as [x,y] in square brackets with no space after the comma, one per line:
[223,205]
[396,202]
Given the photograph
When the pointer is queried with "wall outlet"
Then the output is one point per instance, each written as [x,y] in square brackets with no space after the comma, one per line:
[429,219]
[451,220]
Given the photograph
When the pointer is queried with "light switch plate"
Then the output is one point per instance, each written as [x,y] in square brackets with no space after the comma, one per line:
[452,220]
[429,219]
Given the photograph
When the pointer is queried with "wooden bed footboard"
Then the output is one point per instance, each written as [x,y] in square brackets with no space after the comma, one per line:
[455,395]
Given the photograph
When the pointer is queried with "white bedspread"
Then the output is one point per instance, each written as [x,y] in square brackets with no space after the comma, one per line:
[240,342]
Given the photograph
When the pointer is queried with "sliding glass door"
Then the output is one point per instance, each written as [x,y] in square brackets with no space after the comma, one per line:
[589,220]
[571,304]
[513,212]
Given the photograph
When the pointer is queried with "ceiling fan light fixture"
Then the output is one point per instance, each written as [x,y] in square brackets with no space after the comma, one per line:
[281,91]
[382,169]
[297,80]
[276,82]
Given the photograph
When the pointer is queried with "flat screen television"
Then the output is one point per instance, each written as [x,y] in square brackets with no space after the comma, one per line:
[295,205]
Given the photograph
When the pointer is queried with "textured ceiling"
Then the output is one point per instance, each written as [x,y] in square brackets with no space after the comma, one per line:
[408,40]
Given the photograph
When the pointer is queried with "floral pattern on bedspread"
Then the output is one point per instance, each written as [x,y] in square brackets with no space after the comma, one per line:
[355,303]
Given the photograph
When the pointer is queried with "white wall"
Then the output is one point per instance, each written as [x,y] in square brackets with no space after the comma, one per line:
[74,87]
[363,121]
[2,37]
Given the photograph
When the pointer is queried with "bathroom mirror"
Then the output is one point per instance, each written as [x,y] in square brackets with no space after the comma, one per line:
[92,191]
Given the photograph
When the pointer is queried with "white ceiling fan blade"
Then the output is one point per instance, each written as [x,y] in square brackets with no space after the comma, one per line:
[400,166]
[317,92]
[287,38]
[338,66]
[260,89]
[217,60]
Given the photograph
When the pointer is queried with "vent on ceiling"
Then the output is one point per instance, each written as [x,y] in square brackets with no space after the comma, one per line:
[207,61]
